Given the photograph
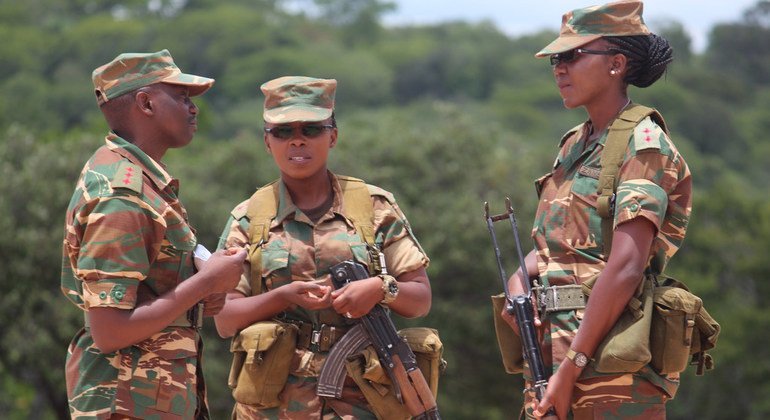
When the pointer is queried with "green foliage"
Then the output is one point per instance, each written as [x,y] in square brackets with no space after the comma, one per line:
[446,117]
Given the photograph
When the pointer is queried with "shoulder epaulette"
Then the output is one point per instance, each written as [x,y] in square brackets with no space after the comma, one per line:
[239,212]
[647,135]
[127,176]
[375,190]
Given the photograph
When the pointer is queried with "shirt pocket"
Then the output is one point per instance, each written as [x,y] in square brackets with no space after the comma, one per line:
[584,226]
[163,380]
[275,264]
[360,254]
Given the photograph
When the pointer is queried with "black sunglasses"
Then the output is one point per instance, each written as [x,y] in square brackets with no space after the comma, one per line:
[571,55]
[285,132]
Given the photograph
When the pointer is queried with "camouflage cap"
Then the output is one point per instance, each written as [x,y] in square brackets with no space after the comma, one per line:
[130,71]
[581,26]
[298,98]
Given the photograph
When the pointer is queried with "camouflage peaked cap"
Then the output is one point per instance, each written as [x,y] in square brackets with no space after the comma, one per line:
[581,26]
[130,71]
[298,98]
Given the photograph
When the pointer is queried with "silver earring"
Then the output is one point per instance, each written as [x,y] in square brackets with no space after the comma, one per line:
[613,72]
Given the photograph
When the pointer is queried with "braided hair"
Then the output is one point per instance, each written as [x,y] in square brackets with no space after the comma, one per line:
[648,57]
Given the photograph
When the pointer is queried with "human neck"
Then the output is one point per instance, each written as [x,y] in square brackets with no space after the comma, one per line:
[311,192]
[601,117]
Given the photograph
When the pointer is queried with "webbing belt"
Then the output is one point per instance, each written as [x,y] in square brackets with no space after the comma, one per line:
[561,298]
[318,338]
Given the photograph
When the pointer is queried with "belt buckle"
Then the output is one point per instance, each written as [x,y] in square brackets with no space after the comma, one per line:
[315,338]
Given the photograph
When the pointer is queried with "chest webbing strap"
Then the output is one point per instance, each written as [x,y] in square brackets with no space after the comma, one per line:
[618,137]
[263,207]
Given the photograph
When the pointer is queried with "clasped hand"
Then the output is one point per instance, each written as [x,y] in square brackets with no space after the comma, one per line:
[354,300]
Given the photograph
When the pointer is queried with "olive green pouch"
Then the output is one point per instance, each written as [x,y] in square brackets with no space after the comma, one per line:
[626,348]
[428,350]
[367,372]
[262,355]
[508,341]
[681,328]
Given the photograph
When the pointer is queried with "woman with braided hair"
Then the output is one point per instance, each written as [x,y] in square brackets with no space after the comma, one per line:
[599,52]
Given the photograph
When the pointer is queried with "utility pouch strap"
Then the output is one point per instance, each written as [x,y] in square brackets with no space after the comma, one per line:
[619,134]
[263,206]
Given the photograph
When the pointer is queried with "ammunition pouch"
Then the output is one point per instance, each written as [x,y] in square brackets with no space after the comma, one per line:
[508,341]
[369,375]
[664,325]
[626,348]
[262,355]
[682,329]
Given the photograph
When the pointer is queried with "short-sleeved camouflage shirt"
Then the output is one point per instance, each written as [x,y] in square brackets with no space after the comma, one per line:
[301,250]
[127,240]
[653,182]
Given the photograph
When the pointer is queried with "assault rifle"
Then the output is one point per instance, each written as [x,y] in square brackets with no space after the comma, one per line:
[398,360]
[520,306]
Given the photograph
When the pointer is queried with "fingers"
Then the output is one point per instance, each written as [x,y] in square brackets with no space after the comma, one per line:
[238,253]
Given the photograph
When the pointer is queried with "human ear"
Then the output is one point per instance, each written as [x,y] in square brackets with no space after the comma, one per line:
[143,102]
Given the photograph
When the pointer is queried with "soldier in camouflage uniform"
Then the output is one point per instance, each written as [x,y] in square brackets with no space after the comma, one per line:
[127,255]
[600,50]
[309,234]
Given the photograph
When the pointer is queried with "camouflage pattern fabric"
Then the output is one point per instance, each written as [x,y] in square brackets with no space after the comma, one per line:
[127,240]
[654,182]
[300,250]
[130,71]
[581,26]
[299,401]
[298,98]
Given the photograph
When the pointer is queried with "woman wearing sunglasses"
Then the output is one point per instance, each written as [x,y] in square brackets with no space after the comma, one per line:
[599,52]
[306,223]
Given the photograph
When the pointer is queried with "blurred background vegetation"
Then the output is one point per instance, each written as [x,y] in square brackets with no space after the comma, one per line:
[446,116]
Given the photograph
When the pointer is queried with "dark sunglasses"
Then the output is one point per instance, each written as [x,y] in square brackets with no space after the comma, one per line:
[285,132]
[571,55]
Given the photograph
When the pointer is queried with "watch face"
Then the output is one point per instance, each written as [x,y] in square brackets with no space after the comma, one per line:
[581,360]
[393,288]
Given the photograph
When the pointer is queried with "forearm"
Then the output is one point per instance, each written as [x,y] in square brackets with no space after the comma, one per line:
[414,294]
[113,329]
[241,311]
[616,283]
[516,282]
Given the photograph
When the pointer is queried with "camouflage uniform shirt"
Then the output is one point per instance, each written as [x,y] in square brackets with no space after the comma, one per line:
[299,249]
[128,240]
[653,182]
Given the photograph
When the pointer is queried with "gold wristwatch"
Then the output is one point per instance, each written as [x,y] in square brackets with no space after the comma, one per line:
[579,359]
[389,288]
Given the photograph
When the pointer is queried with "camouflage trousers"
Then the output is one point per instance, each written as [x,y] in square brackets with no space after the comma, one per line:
[299,401]
[624,396]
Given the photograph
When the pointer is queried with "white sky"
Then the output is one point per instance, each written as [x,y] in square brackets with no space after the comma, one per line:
[524,17]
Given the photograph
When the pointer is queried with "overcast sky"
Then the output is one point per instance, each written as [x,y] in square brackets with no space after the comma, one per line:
[517,17]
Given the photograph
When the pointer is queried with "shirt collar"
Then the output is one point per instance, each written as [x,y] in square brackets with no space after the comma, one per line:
[154,170]
[286,206]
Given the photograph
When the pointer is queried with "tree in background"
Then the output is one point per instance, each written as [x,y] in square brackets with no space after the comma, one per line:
[448,115]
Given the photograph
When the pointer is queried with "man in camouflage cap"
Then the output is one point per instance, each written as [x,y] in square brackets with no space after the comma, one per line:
[128,254]
[312,225]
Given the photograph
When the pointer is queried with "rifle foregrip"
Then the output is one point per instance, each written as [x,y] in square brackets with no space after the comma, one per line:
[525,319]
